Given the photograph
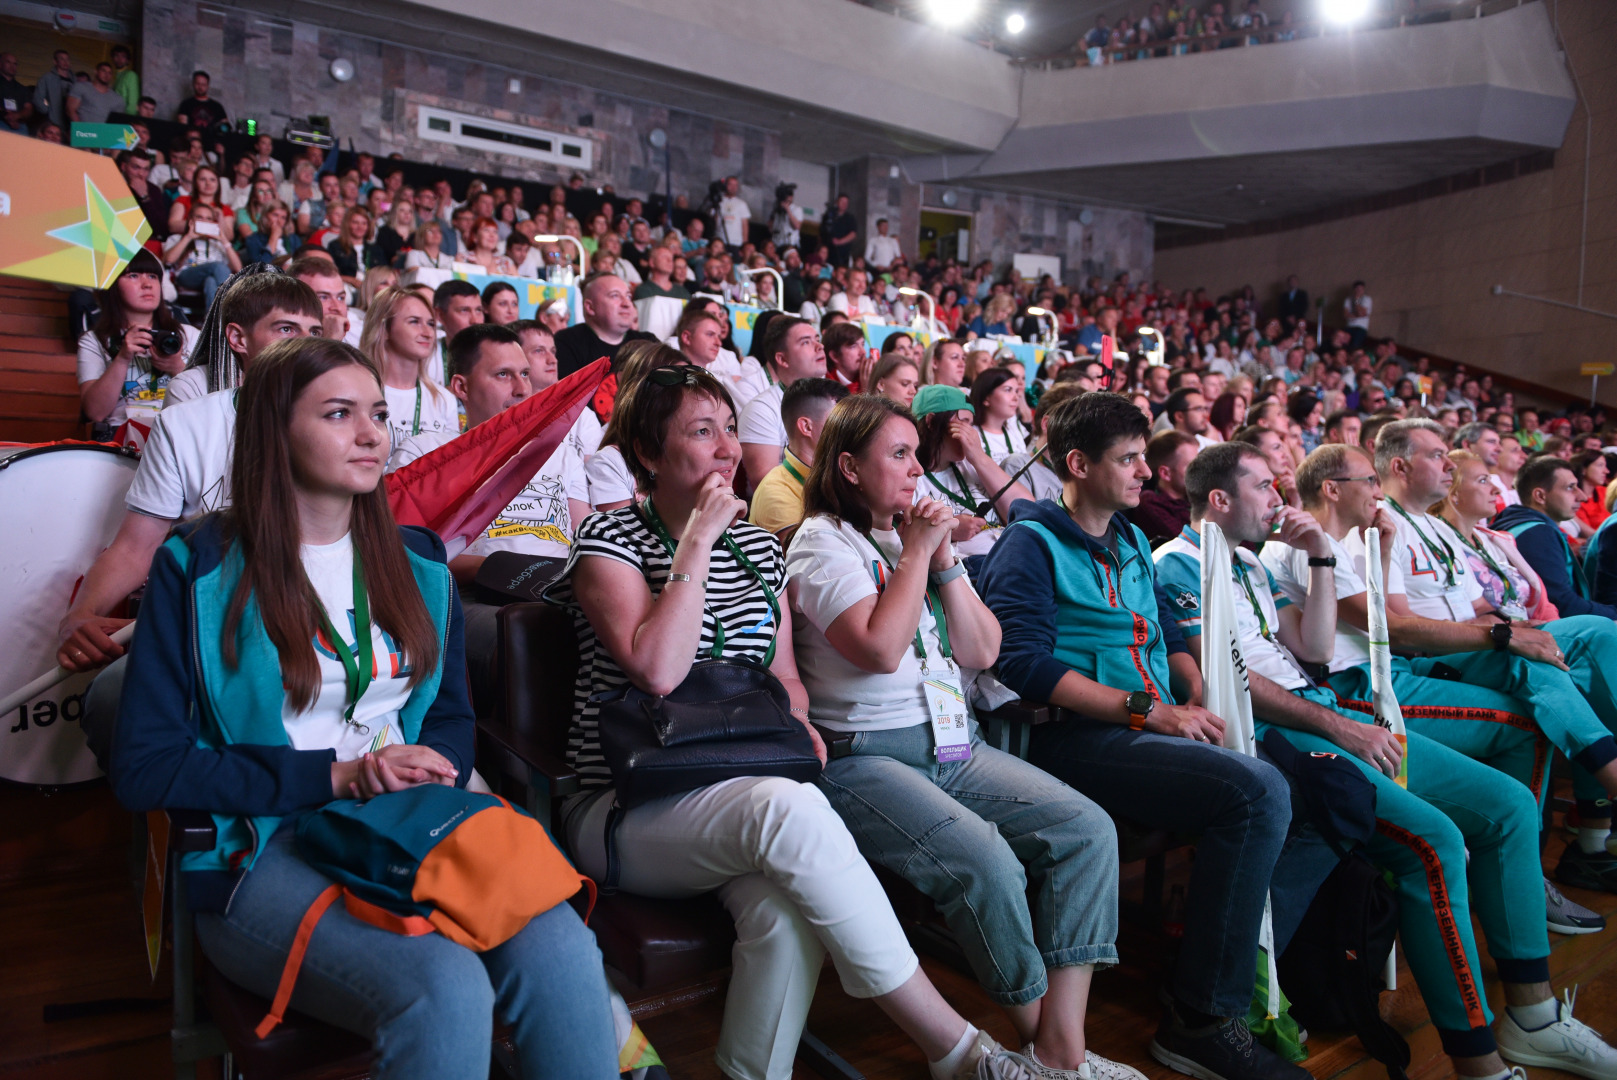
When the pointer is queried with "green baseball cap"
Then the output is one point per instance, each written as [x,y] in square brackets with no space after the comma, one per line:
[935,399]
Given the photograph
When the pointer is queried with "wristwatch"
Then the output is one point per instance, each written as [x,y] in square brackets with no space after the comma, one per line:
[1329,560]
[1500,632]
[1139,704]
[943,577]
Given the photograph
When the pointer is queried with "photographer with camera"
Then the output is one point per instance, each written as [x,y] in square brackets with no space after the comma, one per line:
[787,220]
[136,346]
[200,257]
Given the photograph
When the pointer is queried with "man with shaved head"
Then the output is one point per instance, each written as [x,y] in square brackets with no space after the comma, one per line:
[609,322]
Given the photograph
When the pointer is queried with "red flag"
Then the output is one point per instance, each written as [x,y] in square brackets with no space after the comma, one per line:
[457,489]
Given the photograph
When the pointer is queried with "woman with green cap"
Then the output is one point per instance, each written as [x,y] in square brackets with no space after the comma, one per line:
[958,470]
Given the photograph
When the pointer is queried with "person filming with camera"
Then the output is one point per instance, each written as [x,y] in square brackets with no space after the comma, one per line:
[786,223]
[136,346]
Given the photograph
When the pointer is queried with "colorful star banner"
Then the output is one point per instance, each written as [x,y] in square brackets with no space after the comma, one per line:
[65,216]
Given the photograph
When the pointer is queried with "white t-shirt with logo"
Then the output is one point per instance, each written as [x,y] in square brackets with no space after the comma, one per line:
[144,391]
[1290,569]
[610,480]
[185,466]
[438,414]
[830,568]
[322,726]
[1437,586]
[734,217]
[537,521]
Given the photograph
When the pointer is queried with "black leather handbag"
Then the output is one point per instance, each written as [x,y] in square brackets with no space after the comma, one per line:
[729,718]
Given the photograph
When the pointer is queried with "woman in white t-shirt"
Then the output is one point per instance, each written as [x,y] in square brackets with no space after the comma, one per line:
[958,471]
[996,398]
[889,633]
[121,368]
[332,637]
[656,587]
[401,336]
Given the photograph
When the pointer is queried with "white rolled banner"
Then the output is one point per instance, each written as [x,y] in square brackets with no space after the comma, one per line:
[57,674]
[1388,714]
[1227,694]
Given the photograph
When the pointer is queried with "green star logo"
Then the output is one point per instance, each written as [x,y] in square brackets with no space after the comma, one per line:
[110,237]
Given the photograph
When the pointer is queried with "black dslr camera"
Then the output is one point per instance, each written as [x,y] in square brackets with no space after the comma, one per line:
[164,342]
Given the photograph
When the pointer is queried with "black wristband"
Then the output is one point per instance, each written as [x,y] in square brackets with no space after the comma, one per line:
[1329,560]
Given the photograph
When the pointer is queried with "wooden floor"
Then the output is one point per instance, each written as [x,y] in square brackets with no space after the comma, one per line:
[70,933]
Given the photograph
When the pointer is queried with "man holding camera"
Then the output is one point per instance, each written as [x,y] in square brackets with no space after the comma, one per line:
[786,223]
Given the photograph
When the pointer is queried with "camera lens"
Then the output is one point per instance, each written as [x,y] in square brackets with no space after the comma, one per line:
[167,343]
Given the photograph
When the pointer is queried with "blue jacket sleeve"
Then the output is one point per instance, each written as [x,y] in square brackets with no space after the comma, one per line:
[156,761]
[1545,550]
[1604,584]
[1173,638]
[1018,585]
[450,726]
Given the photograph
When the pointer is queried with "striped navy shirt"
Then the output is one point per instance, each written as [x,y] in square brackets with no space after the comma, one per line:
[733,596]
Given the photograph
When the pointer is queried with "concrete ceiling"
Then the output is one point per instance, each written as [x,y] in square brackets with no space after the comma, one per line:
[1258,187]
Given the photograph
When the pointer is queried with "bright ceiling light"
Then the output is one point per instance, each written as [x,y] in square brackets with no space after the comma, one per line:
[1344,11]
[951,12]
[1015,23]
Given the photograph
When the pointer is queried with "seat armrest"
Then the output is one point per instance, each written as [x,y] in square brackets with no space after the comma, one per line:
[191,830]
[562,777]
[1016,712]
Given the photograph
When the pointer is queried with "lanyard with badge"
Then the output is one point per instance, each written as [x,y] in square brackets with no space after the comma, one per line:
[945,699]
[961,498]
[415,426]
[655,520]
[359,670]
[1440,552]
[1481,549]
[1263,621]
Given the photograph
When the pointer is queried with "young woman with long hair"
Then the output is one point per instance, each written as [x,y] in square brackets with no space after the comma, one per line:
[119,365]
[351,248]
[205,191]
[200,257]
[996,400]
[896,378]
[400,337]
[245,699]
[944,364]
[959,472]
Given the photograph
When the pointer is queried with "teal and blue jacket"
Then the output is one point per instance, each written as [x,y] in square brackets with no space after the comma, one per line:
[1066,603]
[1549,553]
[196,734]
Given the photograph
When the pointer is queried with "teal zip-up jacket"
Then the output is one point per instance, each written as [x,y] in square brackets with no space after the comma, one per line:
[1065,603]
[195,734]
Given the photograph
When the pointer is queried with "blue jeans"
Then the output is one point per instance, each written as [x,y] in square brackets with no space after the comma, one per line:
[426,1004]
[1240,806]
[1023,868]
[205,276]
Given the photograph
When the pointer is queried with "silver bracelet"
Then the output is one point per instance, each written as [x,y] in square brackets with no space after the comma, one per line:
[797,710]
[681,577]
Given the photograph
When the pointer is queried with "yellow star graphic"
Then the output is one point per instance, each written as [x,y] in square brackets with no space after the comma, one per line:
[109,236]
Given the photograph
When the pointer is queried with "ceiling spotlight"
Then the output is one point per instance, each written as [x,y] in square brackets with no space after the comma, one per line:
[1344,11]
[1015,23]
[951,12]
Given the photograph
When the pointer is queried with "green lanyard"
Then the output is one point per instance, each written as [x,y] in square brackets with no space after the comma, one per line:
[1006,434]
[360,670]
[1443,554]
[958,500]
[415,428]
[657,526]
[940,622]
[793,473]
[1257,609]
[1482,550]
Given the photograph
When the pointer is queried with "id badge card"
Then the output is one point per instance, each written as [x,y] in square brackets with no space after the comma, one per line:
[946,704]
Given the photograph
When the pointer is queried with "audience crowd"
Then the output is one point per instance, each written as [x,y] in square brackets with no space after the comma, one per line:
[904,537]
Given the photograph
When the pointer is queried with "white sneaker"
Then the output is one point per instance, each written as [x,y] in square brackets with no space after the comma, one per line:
[1567,1044]
[991,1061]
[1094,1067]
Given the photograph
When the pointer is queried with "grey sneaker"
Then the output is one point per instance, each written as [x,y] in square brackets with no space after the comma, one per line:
[1566,917]
[1094,1067]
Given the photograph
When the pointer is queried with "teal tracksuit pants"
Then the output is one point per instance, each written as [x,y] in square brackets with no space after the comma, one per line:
[1454,806]
[1483,724]
[1576,710]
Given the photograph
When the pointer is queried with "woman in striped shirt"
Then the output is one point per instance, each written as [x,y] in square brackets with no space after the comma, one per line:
[656,586]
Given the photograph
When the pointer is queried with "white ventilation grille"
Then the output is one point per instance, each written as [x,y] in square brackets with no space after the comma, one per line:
[496,136]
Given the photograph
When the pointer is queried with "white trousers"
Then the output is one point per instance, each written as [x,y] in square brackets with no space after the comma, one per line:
[788,872]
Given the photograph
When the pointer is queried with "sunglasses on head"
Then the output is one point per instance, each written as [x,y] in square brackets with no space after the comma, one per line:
[674,375]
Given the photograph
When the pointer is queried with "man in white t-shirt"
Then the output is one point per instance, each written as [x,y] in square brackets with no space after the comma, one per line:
[792,351]
[457,304]
[854,303]
[735,216]
[185,466]
[699,336]
[881,249]
[1356,310]
[489,373]
[539,346]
